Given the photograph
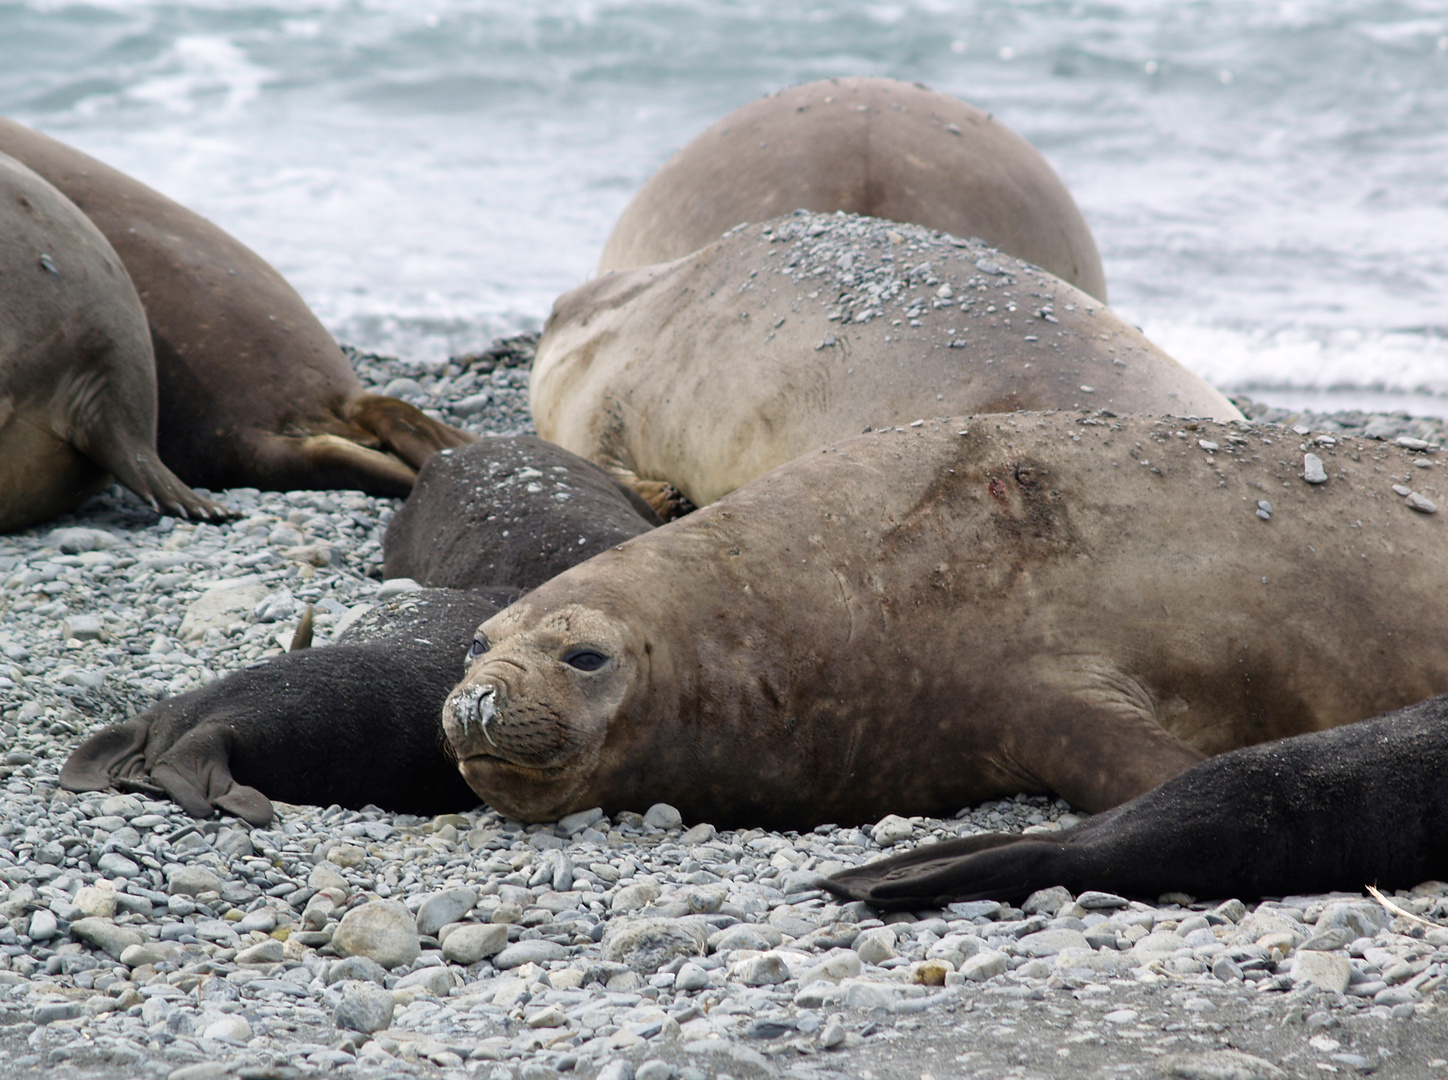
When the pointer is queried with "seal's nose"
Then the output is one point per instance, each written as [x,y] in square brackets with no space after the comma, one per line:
[476,705]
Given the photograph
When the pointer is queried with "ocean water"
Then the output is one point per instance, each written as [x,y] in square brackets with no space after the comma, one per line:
[1267,182]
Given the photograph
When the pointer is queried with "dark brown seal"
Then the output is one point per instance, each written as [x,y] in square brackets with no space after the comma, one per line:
[77,382]
[253,391]
[1358,805]
[916,620]
[866,146]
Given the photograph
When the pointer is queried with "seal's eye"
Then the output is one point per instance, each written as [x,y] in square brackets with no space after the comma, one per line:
[585,659]
[479,646]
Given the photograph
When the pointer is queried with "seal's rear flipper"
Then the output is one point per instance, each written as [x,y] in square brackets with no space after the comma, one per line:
[109,757]
[995,866]
[196,773]
[404,429]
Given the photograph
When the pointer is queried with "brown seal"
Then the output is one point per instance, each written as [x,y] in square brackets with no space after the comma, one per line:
[782,336]
[866,146]
[253,390]
[77,383]
[913,621]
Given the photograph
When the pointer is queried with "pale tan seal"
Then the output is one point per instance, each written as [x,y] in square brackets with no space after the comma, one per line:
[912,621]
[253,391]
[77,382]
[782,336]
[866,146]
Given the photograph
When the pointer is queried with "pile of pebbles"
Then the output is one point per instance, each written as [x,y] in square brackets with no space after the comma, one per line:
[137,941]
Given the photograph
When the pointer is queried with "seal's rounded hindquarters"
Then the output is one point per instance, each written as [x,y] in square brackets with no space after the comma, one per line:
[77,378]
[252,390]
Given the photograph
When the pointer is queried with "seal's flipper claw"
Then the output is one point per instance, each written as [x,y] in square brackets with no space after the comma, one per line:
[115,753]
[404,429]
[994,866]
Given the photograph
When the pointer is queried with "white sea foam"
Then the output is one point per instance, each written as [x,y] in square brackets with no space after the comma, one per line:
[1265,181]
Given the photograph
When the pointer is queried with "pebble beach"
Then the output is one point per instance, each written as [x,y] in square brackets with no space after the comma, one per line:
[136,941]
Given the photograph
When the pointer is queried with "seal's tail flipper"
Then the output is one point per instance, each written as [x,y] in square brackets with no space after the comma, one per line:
[404,429]
[196,773]
[994,866]
[114,755]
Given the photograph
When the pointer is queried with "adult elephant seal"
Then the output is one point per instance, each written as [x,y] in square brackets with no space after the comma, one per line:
[356,722]
[77,384]
[866,146]
[913,621]
[709,371]
[508,511]
[1363,804]
[253,391]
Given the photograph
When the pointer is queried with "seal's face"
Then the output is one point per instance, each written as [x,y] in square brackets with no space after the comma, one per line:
[529,719]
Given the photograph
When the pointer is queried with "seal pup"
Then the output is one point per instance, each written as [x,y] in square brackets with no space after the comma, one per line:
[1361,804]
[916,620]
[785,335]
[352,723]
[866,146]
[77,381]
[253,391]
[508,511]
[356,722]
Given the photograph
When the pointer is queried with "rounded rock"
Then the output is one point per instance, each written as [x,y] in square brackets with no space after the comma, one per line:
[364,1007]
[646,945]
[471,942]
[381,930]
[444,907]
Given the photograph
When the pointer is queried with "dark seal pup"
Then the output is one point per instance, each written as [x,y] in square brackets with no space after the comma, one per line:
[253,390]
[357,722]
[1359,805]
[865,146]
[77,380]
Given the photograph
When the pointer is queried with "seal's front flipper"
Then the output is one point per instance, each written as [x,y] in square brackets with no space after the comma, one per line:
[404,429]
[995,866]
[1095,737]
[196,774]
[113,755]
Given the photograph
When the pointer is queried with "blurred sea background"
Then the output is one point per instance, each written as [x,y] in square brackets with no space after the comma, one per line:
[1267,182]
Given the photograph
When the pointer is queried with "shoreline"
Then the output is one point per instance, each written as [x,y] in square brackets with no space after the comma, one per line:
[94,626]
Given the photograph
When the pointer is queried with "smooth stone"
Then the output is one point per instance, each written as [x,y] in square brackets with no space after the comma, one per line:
[267,952]
[1220,1065]
[444,907]
[757,936]
[1050,942]
[654,1069]
[48,1012]
[470,942]
[364,1007]
[43,925]
[134,956]
[1094,900]
[691,977]
[646,945]
[876,946]
[768,969]
[105,935]
[192,880]
[357,967]
[327,875]
[839,964]
[220,606]
[1330,971]
[571,824]
[985,966]
[663,816]
[381,930]
[891,829]
[437,981]
[233,1027]
[1047,901]
[96,902]
[617,1069]
[633,897]
[528,952]
[114,864]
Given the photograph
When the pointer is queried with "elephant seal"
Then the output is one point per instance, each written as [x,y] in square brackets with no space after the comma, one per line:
[253,391]
[351,723]
[1338,809]
[785,335]
[509,511]
[866,146]
[77,382]
[916,620]
[356,722]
